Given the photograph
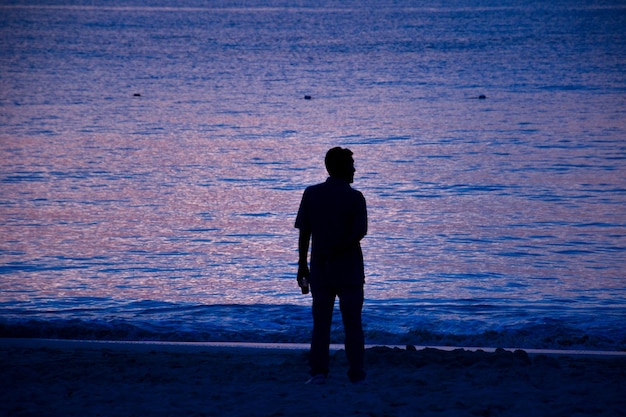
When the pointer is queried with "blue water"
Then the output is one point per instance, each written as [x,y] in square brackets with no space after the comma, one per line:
[153,155]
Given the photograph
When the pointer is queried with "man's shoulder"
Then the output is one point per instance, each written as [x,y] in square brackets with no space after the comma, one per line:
[330,185]
[321,187]
[333,188]
[312,190]
[316,186]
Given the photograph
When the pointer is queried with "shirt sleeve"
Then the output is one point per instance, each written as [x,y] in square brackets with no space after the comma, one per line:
[302,219]
[359,227]
[363,216]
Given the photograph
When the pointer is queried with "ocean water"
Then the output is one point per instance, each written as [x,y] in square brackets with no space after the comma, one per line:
[153,155]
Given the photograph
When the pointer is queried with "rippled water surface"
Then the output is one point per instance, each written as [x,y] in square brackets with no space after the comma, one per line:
[152,158]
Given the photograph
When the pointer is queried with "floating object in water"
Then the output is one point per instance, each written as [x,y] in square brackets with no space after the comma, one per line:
[307,97]
[136,95]
[482,97]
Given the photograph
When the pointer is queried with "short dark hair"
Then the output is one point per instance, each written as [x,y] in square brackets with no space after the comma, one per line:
[338,161]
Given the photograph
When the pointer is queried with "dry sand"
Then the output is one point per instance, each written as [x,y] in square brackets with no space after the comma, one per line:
[48,378]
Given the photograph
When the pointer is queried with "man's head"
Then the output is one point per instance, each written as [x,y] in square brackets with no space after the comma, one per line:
[339,163]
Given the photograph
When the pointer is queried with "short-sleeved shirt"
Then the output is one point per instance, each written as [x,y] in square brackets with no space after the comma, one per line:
[336,216]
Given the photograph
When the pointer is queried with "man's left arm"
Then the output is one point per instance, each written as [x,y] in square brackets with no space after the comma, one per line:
[303,254]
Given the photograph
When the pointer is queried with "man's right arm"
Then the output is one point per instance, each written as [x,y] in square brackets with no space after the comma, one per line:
[357,229]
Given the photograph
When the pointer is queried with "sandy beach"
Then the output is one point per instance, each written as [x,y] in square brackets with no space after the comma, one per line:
[58,378]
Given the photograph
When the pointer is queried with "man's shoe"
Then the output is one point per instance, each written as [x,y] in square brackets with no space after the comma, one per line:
[357,377]
[319,379]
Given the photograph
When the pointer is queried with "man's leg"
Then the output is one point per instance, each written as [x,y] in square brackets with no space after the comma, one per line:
[351,304]
[323,305]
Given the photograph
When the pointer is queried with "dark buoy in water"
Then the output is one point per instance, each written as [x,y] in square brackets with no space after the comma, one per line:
[482,97]
[307,97]
[136,95]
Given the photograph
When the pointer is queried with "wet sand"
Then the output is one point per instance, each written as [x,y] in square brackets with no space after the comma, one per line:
[56,378]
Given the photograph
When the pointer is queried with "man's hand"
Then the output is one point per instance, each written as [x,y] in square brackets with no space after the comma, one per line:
[303,275]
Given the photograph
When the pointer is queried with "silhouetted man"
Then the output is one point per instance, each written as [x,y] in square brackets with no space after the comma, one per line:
[333,216]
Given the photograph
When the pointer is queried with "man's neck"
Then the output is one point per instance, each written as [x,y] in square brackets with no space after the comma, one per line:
[339,179]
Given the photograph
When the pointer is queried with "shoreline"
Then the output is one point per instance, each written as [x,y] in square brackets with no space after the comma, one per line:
[199,346]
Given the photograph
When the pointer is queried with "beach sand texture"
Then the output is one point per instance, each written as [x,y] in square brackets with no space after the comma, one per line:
[39,379]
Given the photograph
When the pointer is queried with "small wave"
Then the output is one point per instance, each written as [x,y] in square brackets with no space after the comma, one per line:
[545,336]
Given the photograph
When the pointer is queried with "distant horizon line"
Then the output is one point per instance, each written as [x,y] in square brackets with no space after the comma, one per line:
[297,8]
